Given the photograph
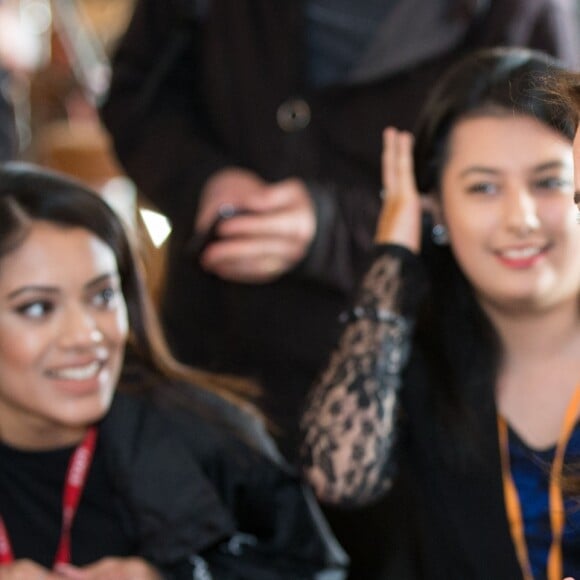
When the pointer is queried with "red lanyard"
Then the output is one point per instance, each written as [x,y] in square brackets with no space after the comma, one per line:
[556,501]
[76,477]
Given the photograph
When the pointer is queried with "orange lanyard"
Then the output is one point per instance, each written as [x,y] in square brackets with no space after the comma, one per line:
[556,501]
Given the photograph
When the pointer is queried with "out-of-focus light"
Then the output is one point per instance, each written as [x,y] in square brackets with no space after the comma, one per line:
[121,194]
[37,14]
[157,226]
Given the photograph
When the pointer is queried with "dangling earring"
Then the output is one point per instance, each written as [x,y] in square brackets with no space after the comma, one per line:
[439,235]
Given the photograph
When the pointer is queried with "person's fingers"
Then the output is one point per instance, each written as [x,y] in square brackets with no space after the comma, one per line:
[298,224]
[400,218]
[70,572]
[24,569]
[112,569]
[404,163]
[231,186]
[250,260]
[388,160]
[248,249]
[397,163]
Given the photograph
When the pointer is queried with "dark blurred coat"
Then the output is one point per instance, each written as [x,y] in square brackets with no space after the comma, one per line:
[201,488]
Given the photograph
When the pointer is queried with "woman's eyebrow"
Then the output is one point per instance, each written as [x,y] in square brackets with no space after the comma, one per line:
[555,164]
[100,279]
[479,169]
[32,288]
[39,288]
[551,165]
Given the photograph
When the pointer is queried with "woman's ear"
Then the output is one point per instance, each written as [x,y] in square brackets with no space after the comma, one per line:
[431,204]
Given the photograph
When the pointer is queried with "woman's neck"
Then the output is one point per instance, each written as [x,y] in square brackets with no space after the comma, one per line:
[35,435]
[544,333]
[540,369]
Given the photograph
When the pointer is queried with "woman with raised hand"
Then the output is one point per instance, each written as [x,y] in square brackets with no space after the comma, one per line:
[116,462]
[461,358]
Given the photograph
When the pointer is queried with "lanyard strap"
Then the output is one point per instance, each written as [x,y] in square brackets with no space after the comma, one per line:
[556,501]
[76,477]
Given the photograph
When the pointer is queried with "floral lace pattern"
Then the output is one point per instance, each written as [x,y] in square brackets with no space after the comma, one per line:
[349,427]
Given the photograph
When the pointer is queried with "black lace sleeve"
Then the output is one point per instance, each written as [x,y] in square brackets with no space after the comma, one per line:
[350,425]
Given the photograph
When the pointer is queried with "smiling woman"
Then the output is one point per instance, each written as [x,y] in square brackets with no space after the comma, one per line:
[117,462]
[63,329]
[483,409]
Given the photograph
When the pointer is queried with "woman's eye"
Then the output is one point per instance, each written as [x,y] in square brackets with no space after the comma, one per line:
[554,184]
[482,187]
[37,309]
[105,297]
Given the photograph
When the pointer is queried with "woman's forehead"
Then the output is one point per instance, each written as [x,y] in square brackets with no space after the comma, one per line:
[55,254]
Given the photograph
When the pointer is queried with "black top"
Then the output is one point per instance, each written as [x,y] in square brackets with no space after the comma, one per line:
[177,472]
[31,487]
[378,405]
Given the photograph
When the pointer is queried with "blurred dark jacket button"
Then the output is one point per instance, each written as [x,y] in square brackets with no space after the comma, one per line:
[293,115]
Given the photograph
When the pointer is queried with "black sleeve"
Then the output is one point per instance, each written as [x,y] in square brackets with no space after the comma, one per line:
[151,112]
[345,225]
[173,507]
[279,528]
[351,426]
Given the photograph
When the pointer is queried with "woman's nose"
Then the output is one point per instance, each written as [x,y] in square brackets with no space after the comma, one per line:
[79,328]
[521,215]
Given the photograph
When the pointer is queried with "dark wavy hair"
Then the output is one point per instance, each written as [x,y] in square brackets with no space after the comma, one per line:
[567,89]
[496,81]
[459,341]
[29,193]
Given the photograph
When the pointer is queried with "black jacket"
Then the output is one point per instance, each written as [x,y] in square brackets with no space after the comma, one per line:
[204,492]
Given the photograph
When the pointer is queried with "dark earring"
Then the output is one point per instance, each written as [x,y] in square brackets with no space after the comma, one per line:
[439,235]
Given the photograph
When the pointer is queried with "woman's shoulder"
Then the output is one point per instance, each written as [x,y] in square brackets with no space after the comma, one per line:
[205,421]
[211,422]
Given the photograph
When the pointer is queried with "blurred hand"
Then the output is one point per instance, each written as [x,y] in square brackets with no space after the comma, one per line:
[110,569]
[400,218]
[233,186]
[263,244]
[25,570]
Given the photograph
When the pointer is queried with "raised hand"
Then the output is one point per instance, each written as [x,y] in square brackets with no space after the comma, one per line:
[400,218]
